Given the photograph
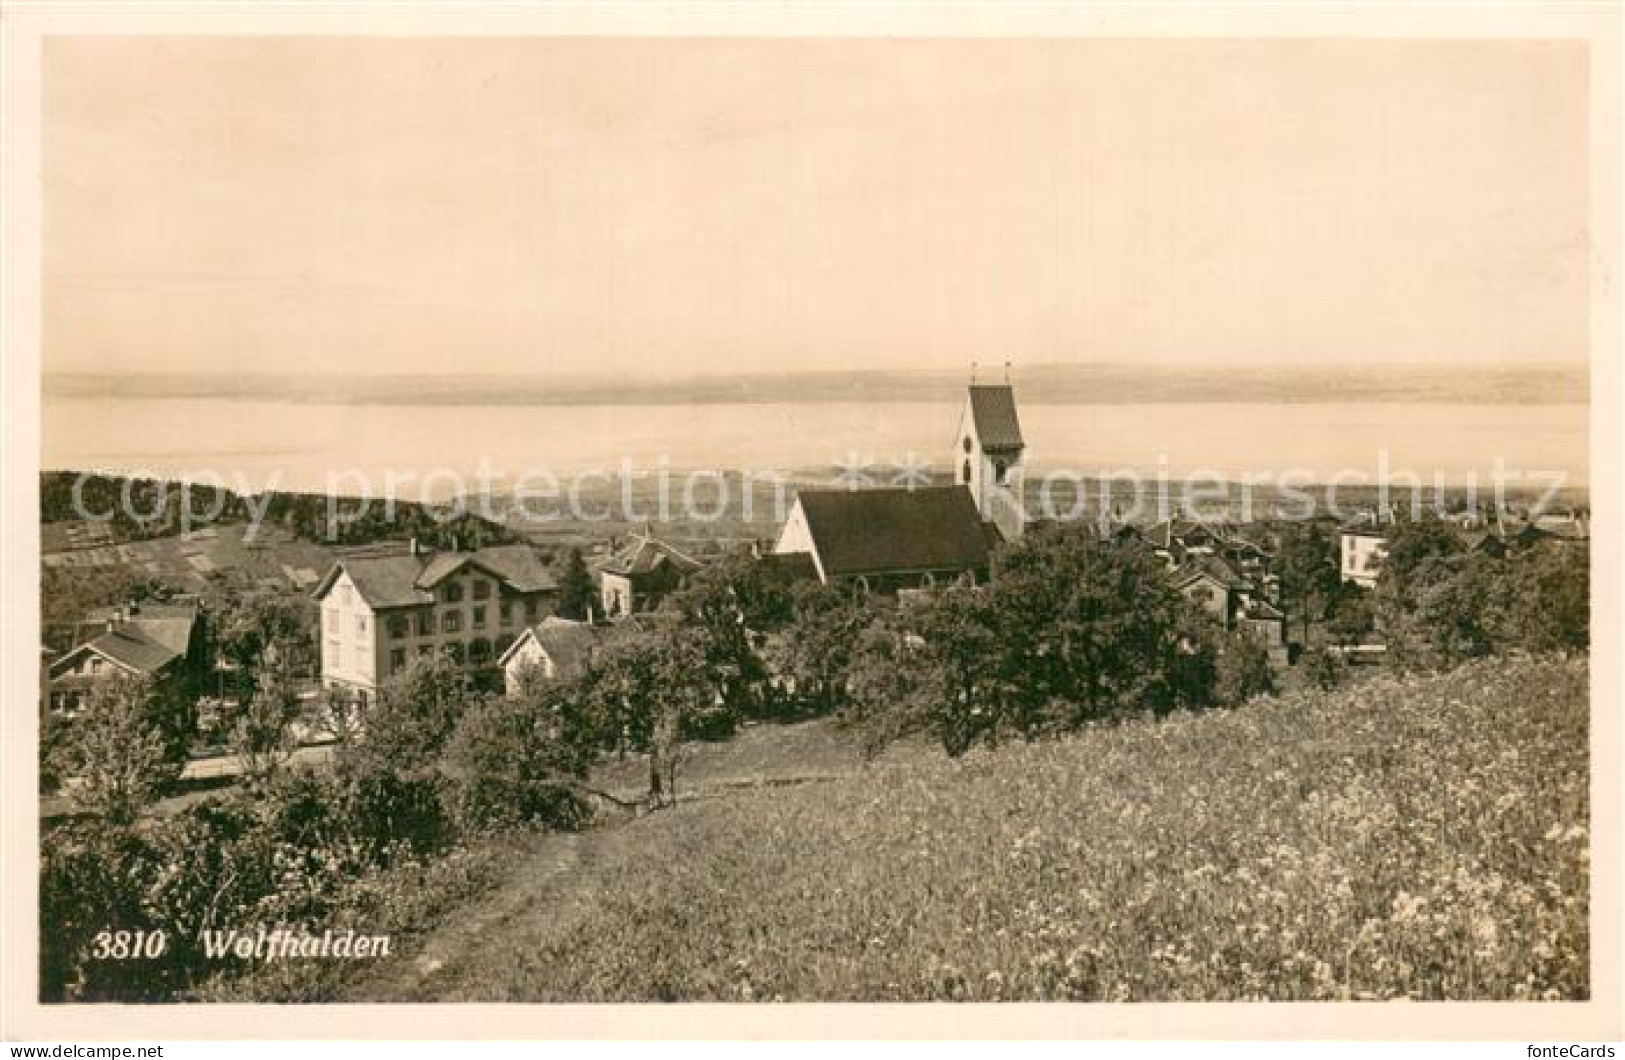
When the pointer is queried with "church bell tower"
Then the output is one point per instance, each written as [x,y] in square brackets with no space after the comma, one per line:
[987,456]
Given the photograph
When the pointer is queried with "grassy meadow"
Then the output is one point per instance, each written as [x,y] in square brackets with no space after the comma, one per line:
[1419,837]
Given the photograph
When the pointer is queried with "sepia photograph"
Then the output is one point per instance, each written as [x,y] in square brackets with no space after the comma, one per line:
[1082,520]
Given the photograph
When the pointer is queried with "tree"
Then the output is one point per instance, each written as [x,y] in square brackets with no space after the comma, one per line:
[262,734]
[1325,669]
[651,690]
[263,635]
[1072,629]
[1544,602]
[388,777]
[892,690]
[1091,623]
[577,594]
[735,603]
[520,759]
[1307,565]
[1243,670]
[1352,617]
[119,749]
[815,653]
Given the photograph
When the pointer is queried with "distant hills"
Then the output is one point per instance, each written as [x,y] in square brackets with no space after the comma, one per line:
[1103,384]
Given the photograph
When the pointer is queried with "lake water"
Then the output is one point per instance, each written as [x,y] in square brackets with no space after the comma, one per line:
[327,448]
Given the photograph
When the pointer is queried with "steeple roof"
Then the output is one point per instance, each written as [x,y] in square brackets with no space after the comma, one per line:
[993,410]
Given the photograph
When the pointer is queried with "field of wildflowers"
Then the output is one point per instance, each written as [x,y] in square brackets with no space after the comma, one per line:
[1409,837]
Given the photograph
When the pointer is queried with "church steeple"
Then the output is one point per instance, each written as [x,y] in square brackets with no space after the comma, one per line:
[988,455]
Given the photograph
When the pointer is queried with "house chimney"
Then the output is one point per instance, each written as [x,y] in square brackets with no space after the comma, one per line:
[412,544]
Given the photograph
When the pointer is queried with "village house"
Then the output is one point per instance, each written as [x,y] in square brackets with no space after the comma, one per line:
[1362,545]
[558,648]
[381,610]
[638,577]
[1233,601]
[164,642]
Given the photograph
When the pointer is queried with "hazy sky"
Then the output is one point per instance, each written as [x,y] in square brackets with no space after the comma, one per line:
[465,205]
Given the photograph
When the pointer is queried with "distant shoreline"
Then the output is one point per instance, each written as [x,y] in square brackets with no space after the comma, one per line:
[1042,385]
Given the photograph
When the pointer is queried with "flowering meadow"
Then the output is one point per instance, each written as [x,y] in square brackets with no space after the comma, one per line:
[1417,837]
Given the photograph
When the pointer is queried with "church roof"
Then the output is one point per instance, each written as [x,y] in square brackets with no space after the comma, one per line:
[993,409]
[876,531]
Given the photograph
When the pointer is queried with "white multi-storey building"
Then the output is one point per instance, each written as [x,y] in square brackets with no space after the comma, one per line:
[379,612]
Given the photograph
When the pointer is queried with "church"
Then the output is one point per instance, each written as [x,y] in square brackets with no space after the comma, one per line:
[889,539]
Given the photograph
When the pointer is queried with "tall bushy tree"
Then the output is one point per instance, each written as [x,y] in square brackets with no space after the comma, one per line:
[649,691]
[735,603]
[262,734]
[1544,603]
[1307,565]
[577,593]
[120,748]
[1073,629]
[519,759]
[815,652]
[387,778]
[1093,624]
[1242,670]
[264,637]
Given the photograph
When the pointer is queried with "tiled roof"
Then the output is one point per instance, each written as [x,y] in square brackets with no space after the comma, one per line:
[382,581]
[1212,567]
[127,646]
[874,531]
[646,554]
[519,566]
[169,624]
[993,408]
[404,580]
[569,644]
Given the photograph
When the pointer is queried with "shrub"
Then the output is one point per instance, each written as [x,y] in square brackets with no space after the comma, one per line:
[518,760]
[1243,670]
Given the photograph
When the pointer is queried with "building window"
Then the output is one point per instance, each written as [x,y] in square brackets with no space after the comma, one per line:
[399,627]
[455,651]
[333,650]
[454,592]
[505,613]
[482,590]
[967,446]
[453,622]
[965,472]
[426,624]
[479,617]
[530,610]
[361,625]
[479,652]
[397,659]
[425,650]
